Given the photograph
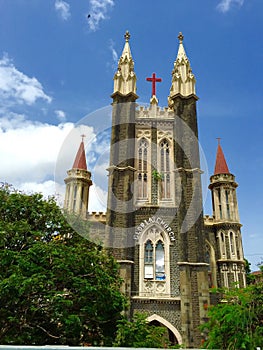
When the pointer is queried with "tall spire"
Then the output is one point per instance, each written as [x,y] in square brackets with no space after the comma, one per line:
[183,80]
[125,78]
[221,165]
[80,159]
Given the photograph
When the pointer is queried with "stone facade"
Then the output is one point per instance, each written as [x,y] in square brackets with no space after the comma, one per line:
[169,253]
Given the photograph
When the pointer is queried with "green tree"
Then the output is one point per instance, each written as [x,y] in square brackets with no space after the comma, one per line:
[249,277]
[138,333]
[55,286]
[236,322]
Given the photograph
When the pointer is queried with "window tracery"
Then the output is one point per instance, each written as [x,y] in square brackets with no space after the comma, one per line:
[142,169]
[165,169]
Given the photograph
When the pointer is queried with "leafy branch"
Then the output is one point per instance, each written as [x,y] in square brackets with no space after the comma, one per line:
[156,175]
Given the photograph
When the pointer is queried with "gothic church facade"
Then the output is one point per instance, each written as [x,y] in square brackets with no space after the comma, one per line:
[170,254]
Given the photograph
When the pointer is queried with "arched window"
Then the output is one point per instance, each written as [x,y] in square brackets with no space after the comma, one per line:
[208,261]
[154,267]
[227,204]
[148,260]
[222,244]
[159,261]
[165,169]
[142,169]
[75,197]
[232,243]
[154,262]
[219,203]
[81,197]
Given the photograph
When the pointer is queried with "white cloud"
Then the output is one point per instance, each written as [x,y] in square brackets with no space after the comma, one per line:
[114,54]
[16,87]
[98,12]
[47,188]
[28,150]
[61,115]
[97,199]
[225,5]
[63,9]
[35,156]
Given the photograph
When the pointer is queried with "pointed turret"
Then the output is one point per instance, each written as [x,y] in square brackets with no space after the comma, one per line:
[80,160]
[125,78]
[78,183]
[227,225]
[223,187]
[221,165]
[183,80]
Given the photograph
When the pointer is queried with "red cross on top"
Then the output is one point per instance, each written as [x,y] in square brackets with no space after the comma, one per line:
[154,80]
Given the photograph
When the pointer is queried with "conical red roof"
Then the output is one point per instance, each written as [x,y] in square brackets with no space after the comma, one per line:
[220,166]
[80,160]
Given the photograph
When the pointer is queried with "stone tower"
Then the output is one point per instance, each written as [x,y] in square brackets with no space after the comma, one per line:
[78,183]
[154,216]
[169,253]
[120,211]
[226,224]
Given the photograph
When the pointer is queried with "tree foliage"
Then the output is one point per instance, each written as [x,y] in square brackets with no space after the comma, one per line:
[236,322]
[55,286]
[249,277]
[139,333]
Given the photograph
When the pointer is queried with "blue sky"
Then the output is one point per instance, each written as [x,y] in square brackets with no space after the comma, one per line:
[57,65]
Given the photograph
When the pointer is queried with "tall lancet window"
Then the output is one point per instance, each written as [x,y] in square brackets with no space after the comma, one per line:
[227,204]
[159,261]
[142,169]
[222,244]
[154,267]
[208,261]
[165,169]
[75,197]
[148,260]
[232,243]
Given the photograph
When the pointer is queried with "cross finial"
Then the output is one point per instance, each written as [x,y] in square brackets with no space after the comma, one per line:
[154,80]
[218,140]
[127,36]
[82,137]
[180,37]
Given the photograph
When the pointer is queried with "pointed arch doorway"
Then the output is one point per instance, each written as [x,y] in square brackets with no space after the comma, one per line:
[173,334]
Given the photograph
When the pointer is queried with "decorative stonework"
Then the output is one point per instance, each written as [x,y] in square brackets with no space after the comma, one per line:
[125,78]
[183,80]
[167,266]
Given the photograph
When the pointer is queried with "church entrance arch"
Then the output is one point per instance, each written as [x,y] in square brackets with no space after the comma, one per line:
[174,335]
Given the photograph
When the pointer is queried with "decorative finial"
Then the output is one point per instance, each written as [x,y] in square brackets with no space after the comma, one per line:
[218,140]
[180,37]
[82,137]
[127,36]
[154,80]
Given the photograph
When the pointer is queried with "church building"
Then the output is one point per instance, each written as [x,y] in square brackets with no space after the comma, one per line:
[170,254]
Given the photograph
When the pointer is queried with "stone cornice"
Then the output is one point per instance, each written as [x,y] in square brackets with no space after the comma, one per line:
[120,97]
[125,262]
[181,263]
[111,168]
[194,170]
[157,299]
[178,95]
[238,261]
[224,224]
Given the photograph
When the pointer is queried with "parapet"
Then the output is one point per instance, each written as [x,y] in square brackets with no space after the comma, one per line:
[154,111]
[99,216]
